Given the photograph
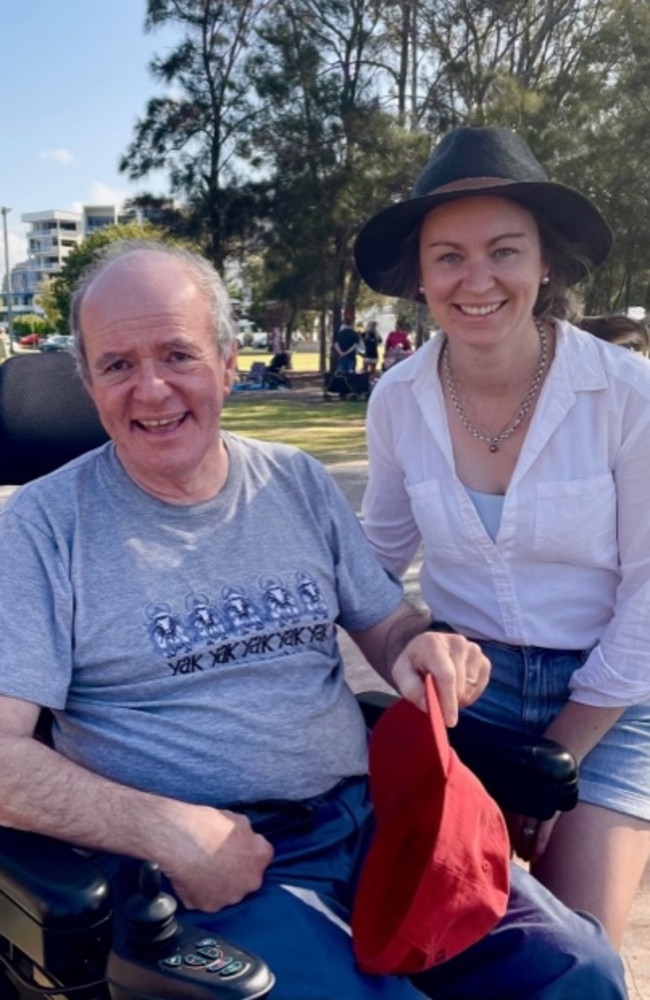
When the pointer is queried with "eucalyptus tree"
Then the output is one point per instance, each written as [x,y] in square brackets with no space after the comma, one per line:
[619,162]
[197,127]
[468,51]
[328,141]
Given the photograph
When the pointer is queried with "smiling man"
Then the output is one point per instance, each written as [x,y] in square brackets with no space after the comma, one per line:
[158,375]
[185,586]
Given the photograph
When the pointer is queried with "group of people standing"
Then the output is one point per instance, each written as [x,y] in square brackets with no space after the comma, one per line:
[350,342]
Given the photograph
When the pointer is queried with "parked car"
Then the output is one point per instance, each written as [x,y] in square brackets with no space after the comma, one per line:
[57,342]
[30,340]
[260,340]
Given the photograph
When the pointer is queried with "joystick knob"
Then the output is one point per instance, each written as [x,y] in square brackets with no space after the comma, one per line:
[150,915]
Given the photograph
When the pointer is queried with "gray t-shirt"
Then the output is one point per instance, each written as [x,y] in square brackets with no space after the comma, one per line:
[191,650]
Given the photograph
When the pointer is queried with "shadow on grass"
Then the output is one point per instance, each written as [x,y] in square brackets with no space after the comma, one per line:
[331,432]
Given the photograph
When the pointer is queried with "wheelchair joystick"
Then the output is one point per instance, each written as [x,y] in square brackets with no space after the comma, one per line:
[150,915]
[155,957]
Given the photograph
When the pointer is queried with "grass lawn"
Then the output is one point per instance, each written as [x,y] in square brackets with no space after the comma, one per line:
[301,360]
[331,431]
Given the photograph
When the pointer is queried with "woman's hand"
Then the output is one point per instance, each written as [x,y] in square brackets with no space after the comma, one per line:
[458,666]
[530,837]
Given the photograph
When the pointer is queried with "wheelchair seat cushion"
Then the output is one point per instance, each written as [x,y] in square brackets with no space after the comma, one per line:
[436,877]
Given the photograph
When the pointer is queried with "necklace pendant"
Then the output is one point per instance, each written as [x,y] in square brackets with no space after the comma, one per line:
[493,447]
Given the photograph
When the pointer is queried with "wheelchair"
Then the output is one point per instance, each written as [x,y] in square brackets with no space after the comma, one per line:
[60,936]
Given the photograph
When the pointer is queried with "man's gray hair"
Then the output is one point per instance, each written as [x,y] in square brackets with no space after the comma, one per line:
[197,267]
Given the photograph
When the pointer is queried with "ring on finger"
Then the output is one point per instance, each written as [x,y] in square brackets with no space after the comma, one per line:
[529,831]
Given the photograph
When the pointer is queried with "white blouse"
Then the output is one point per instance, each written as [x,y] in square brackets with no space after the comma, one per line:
[569,567]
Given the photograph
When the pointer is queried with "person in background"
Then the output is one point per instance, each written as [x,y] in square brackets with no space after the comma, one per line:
[621,330]
[191,660]
[371,342]
[344,347]
[398,344]
[516,448]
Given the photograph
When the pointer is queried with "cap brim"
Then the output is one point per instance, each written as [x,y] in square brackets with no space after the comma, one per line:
[436,877]
[379,246]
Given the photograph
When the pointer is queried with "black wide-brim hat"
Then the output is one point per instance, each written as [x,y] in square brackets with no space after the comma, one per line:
[470,162]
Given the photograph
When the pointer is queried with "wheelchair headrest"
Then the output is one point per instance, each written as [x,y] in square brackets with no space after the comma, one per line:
[46,416]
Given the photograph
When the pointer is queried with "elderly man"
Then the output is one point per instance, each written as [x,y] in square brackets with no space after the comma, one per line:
[189,656]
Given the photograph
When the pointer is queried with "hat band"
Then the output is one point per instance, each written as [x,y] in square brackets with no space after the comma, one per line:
[469,183]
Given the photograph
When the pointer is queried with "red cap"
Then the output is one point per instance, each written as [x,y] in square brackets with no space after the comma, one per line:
[436,877]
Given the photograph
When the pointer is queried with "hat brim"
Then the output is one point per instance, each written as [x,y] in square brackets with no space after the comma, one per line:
[379,248]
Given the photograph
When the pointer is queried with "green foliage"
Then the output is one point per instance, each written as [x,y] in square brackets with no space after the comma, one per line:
[47,301]
[286,124]
[29,323]
[331,433]
[197,128]
[84,254]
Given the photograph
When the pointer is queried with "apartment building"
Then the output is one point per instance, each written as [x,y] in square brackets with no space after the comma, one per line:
[52,236]
[96,217]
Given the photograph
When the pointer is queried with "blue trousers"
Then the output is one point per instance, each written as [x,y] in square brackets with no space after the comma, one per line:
[298,922]
[347,364]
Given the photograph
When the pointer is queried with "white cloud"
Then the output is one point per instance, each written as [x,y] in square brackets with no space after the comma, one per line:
[104,194]
[62,156]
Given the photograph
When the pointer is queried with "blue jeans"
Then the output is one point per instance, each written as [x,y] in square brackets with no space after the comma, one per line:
[298,922]
[347,365]
[528,687]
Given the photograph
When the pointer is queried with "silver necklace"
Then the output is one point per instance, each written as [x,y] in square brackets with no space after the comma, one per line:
[494,440]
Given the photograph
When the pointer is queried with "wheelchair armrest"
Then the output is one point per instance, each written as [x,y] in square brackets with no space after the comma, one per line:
[55,904]
[526,774]
[530,775]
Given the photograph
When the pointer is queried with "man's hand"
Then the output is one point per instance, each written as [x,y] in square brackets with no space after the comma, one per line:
[459,669]
[214,859]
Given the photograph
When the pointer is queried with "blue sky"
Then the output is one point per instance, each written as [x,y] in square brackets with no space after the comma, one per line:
[73,80]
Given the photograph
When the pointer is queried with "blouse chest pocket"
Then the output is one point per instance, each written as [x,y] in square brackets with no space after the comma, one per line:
[432,516]
[575,522]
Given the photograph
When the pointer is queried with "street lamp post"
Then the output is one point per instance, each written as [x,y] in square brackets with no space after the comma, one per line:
[10,324]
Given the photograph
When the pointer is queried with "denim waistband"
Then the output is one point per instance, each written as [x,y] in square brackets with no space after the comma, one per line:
[277,817]
[440,626]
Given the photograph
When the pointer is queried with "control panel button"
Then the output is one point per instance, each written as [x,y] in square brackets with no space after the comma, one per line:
[218,965]
[172,962]
[234,968]
[194,960]
[210,951]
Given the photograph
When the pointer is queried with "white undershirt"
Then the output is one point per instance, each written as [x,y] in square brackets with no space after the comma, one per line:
[488,507]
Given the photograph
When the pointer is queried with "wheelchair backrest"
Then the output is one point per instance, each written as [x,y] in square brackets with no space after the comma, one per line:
[46,416]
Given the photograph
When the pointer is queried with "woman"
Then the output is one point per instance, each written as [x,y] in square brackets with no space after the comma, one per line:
[398,344]
[371,342]
[516,448]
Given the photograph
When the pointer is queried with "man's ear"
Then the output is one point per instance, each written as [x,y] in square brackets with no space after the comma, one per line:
[230,375]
